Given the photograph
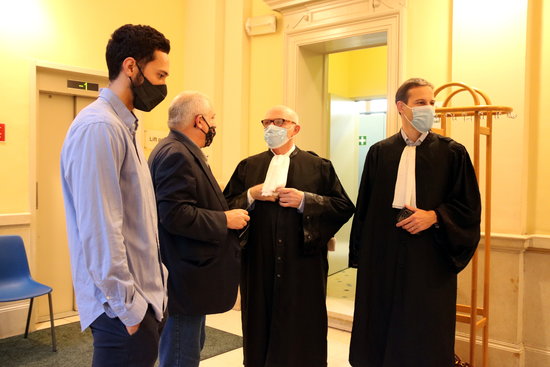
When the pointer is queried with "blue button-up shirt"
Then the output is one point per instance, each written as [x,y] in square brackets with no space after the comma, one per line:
[418,141]
[111,216]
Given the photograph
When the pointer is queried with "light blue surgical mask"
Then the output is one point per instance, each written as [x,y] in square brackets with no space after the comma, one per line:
[423,117]
[275,136]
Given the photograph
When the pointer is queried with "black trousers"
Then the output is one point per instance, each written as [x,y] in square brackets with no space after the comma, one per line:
[114,347]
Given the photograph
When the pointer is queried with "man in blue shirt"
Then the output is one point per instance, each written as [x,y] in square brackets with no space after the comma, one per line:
[119,280]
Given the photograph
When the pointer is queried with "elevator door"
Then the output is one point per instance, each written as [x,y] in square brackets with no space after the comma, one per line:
[55,114]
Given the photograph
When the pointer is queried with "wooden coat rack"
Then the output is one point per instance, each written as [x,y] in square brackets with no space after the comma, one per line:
[476,314]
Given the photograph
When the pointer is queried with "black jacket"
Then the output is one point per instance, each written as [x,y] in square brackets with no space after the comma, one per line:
[201,254]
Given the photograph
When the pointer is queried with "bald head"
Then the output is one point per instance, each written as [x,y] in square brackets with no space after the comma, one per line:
[282,112]
[290,124]
[184,108]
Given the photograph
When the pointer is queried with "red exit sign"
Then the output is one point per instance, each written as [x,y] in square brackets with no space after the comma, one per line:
[2,132]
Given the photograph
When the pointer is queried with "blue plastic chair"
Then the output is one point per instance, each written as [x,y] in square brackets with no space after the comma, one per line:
[16,282]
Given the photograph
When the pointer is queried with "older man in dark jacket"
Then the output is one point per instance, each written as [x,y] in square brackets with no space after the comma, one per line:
[196,230]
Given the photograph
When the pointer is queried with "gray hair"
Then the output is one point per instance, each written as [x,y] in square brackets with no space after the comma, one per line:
[185,107]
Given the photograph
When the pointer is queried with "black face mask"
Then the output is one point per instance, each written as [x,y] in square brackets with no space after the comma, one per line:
[146,95]
[209,136]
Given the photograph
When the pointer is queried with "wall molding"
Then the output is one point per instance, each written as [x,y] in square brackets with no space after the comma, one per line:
[15,306]
[518,349]
[539,243]
[373,5]
[15,219]
[306,17]
[52,66]
[493,343]
[538,350]
[513,353]
[314,29]
[536,358]
[279,5]
[515,243]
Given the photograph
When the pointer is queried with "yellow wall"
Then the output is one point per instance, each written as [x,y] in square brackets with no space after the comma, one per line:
[428,40]
[454,45]
[480,44]
[204,57]
[359,73]
[339,74]
[368,72]
[463,44]
[447,41]
[539,130]
[266,75]
[217,62]
[72,33]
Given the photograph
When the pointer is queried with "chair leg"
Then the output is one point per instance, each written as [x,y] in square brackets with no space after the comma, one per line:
[28,318]
[52,327]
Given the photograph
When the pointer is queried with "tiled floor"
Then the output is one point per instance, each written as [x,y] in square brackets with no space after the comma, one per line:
[342,284]
[338,341]
[341,292]
[340,298]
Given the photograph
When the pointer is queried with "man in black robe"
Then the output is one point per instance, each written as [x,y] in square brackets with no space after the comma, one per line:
[296,204]
[407,268]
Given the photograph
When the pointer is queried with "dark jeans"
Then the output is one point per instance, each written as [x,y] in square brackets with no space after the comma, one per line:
[182,341]
[113,346]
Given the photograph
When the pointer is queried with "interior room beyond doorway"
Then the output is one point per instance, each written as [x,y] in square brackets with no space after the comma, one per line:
[357,90]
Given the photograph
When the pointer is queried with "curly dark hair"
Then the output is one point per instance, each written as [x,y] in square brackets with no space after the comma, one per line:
[402,93]
[137,41]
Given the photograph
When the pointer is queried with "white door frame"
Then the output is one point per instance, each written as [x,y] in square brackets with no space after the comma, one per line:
[326,26]
[316,22]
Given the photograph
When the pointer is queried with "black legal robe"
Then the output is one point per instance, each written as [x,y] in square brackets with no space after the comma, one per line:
[405,302]
[284,262]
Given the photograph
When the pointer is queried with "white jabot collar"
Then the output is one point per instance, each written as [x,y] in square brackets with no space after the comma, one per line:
[405,184]
[277,172]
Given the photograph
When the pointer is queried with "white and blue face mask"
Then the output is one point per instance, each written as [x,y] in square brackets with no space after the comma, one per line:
[423,117]
[275,136]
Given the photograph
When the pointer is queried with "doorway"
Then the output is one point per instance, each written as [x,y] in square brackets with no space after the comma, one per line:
[357,89]
[354,127]
[61,94]
[306,78]
[357,93]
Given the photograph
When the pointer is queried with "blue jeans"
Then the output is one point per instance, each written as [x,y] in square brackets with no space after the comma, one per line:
[182,340]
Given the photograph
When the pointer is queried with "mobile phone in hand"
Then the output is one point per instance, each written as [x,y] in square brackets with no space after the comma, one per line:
[404,214]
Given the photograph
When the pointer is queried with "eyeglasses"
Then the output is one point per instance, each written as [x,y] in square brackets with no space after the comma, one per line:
[276,122]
